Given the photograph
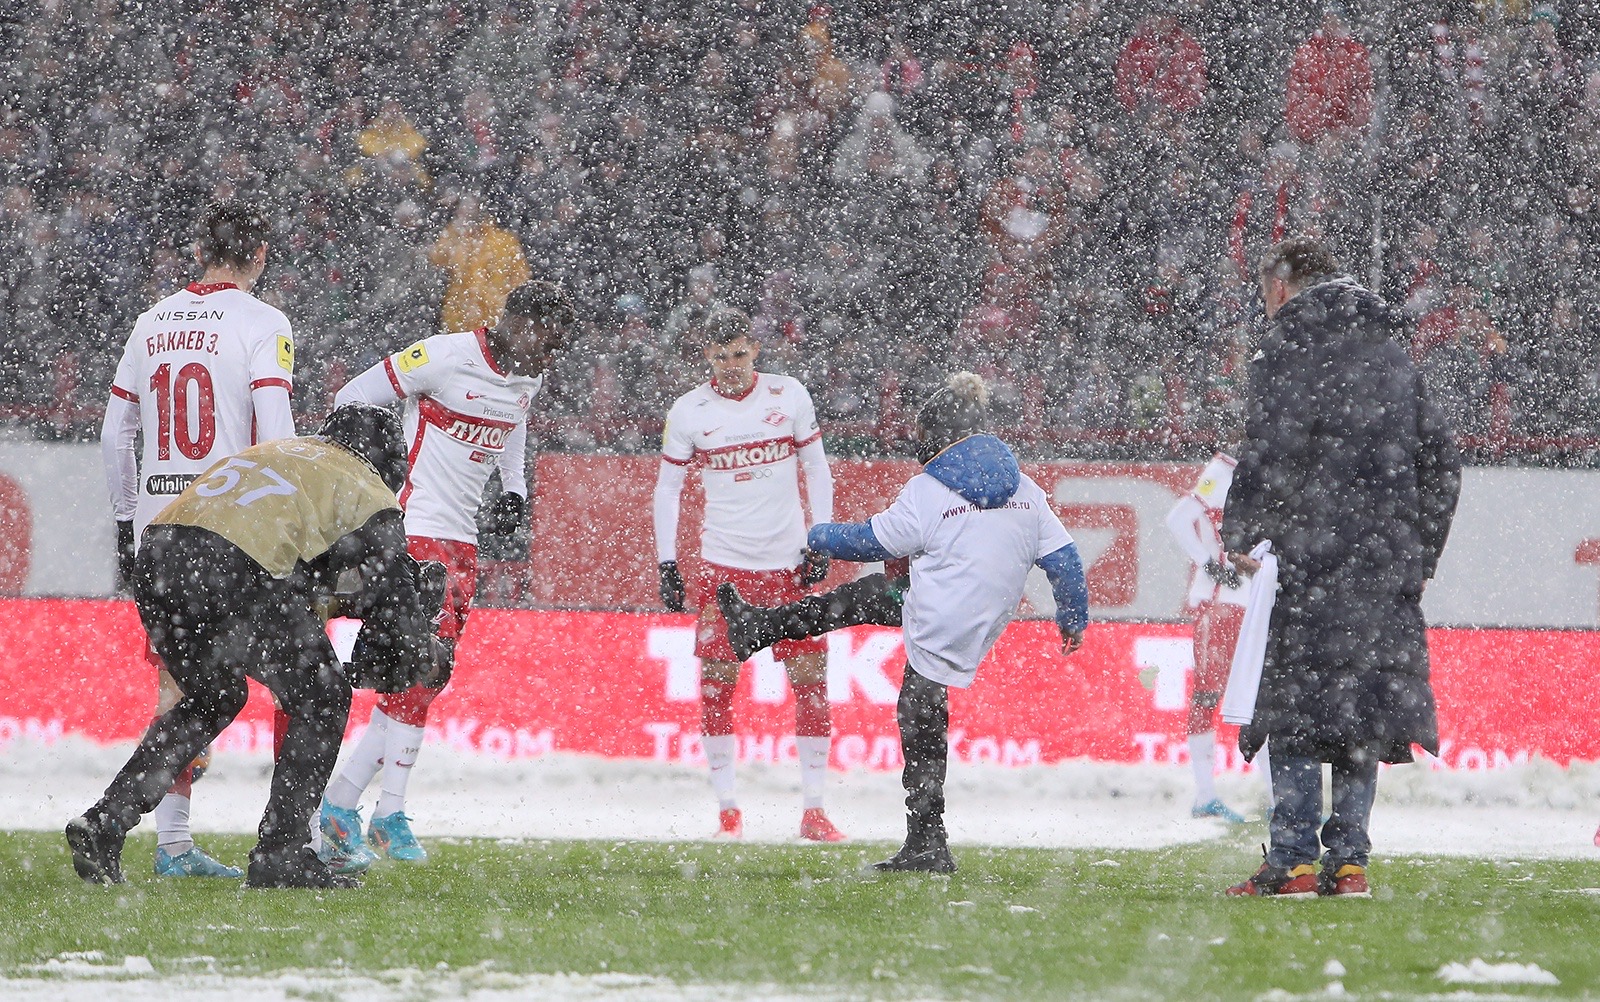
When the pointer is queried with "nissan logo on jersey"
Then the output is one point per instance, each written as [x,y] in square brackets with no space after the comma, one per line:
[754,455]
[487,436]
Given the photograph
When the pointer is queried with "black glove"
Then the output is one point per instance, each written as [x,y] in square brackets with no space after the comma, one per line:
[442,658]
[125,554]
[1225,576]
[815,567]
[432,582]
[671,586]
[507,513]
[391,667]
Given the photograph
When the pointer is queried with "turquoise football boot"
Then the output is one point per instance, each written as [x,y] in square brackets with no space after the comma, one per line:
[343,848]
[194,863]
[391,835]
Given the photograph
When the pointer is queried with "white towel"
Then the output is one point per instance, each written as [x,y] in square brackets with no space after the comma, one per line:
[1244,675]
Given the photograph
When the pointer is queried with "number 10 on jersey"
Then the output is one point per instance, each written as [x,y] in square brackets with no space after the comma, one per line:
[192,390]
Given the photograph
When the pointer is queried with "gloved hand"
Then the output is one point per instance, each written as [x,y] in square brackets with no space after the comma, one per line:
[1073,639]
[390,667]
[671,586]
[507,513]
[125,555]
[1222,574]
[442,661]
[815,567]
[432,582]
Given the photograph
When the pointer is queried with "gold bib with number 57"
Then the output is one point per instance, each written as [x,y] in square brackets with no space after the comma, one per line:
[283,502]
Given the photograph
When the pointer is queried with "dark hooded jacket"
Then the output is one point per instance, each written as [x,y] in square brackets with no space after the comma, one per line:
[1353,474]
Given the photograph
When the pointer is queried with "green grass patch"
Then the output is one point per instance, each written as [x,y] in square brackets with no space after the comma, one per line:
[1014,923]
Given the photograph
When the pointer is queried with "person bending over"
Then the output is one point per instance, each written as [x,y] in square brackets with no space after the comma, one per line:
[466,401]
[231,581]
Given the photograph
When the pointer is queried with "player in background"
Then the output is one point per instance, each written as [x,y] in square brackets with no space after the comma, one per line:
[751,433]
[205,374]
[466,398]
[1216,600]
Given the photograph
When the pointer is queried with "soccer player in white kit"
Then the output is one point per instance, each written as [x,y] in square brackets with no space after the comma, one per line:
[466,397]
[1216,600]
[751,433]
[205,374]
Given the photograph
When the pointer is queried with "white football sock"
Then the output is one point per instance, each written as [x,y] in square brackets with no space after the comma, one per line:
[363,763]
[400,747]
[813,768]
[172,825]
[720,752]
[1203,762]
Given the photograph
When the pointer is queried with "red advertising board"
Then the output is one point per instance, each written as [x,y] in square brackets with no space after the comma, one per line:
[626,686]
[593,543]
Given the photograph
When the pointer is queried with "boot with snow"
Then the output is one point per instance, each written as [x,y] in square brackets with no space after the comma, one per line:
[815,827]
[926,850]
[297,866]
[873,599]
[96,841]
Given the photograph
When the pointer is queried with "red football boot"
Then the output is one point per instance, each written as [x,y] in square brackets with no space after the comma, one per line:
[815,827]
[730,824]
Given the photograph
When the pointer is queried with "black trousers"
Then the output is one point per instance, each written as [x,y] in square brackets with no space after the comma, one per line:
[215,616]
[923,712]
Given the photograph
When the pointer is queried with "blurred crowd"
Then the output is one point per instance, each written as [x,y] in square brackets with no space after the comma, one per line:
[1066,197]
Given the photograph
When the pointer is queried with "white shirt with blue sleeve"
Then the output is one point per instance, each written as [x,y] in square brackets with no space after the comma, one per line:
[968,569]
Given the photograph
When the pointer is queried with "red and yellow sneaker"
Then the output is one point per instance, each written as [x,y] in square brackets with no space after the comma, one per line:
[730,824]
[1349,881]
[815,827]
[1276,882]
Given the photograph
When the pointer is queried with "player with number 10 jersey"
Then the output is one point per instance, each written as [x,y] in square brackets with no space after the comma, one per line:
[208,370]
[205,374]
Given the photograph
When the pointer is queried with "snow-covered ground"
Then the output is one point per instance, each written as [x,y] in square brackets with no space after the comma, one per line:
[1535,809]
[1532,810]
[75,979]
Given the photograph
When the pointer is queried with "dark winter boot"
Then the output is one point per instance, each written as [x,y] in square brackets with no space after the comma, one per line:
[926,850]
[96,840]
[869,600]
[294,867]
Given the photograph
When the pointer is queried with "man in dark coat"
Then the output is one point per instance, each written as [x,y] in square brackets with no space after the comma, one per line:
[1353,475]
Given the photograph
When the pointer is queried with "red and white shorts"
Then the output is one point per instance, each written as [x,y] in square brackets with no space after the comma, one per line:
[461,567]
[767,588]
[1216,634]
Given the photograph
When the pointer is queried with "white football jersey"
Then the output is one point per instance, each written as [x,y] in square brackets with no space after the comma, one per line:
[190,364]
[1197,524]
[464,415]
[746,450]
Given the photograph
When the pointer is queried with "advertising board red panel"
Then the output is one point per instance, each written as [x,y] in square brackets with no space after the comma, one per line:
[626,686]
[593,544]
